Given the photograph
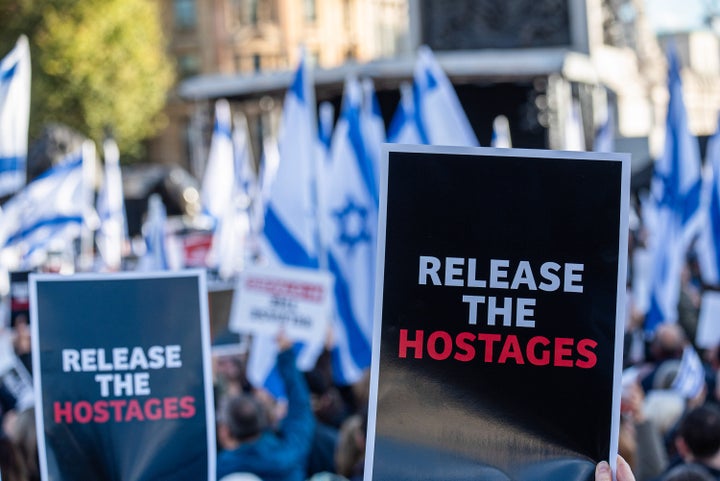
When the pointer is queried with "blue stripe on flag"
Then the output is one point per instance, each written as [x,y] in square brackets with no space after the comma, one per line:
[417,114]
[297,86]
[359,345]
[55,221]
[691,201]
[397,122]
[74,163]
[9,73]
[11,164]
[361,153]
[284,243]
[221,128]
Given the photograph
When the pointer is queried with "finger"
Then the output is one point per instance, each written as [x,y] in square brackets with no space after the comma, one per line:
[602,472]
[624,473]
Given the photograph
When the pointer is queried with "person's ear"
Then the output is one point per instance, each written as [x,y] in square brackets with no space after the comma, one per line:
[682,449]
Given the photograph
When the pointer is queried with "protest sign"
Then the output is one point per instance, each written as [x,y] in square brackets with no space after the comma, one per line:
[295,299]
[497,340]
[122,376]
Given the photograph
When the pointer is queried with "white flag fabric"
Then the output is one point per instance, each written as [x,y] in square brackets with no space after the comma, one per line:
[49,209]
[14,116]
[690,379]
[405,125]
[574,135]
[219,178]
[501,133]
[605,135]
[442,118]
[372,128]
[111,209]
[349,223]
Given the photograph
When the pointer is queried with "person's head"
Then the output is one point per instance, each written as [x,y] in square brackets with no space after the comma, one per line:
[698,435]
[241,418]
[669,342]
[350,449]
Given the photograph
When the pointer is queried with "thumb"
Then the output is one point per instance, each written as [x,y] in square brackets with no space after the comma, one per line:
[602,472]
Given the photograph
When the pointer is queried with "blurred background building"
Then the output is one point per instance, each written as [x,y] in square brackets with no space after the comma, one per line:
[529,60]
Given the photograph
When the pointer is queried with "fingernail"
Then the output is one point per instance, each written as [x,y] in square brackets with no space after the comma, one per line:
[603,468]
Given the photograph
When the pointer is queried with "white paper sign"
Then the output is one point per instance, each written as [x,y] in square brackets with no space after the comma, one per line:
[295,299]
[708,332]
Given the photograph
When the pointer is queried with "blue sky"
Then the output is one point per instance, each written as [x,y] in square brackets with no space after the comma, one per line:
[674,15]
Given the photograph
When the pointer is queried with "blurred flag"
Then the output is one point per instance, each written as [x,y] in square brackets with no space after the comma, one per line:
[676,189]
[111,209]
[405,125]
[372,128]
[14,116]
[349,222]
[290,230]
[326,119]
[290,235]
[501,133]
[690,379]
[155,234]
[605,135]
[49,209]
[217,184]
[574,134]
[708,241]
[232,230]
[442,118]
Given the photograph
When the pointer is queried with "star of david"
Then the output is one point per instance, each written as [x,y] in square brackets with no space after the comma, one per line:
[352,224]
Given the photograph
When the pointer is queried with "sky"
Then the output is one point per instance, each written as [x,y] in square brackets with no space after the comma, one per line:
[677,15]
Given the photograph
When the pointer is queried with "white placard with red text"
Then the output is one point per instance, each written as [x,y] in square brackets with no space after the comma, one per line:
[295,299]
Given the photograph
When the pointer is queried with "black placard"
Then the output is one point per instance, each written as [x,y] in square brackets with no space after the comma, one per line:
[497,336]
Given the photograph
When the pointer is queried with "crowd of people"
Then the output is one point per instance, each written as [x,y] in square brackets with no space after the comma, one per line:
[318,432]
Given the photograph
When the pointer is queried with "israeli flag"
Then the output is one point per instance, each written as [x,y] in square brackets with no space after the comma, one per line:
[111,209]
[349,222]
[14,116]
[49,209]
[501,133]
[442,120]
[676,188]
[232,232]
[290,230]
[708,241]
[405,125]
[219,178]
[154,232]
[290,233]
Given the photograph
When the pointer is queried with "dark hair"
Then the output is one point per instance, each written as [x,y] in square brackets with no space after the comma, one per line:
[700,429]
[688,472]
[244,415]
